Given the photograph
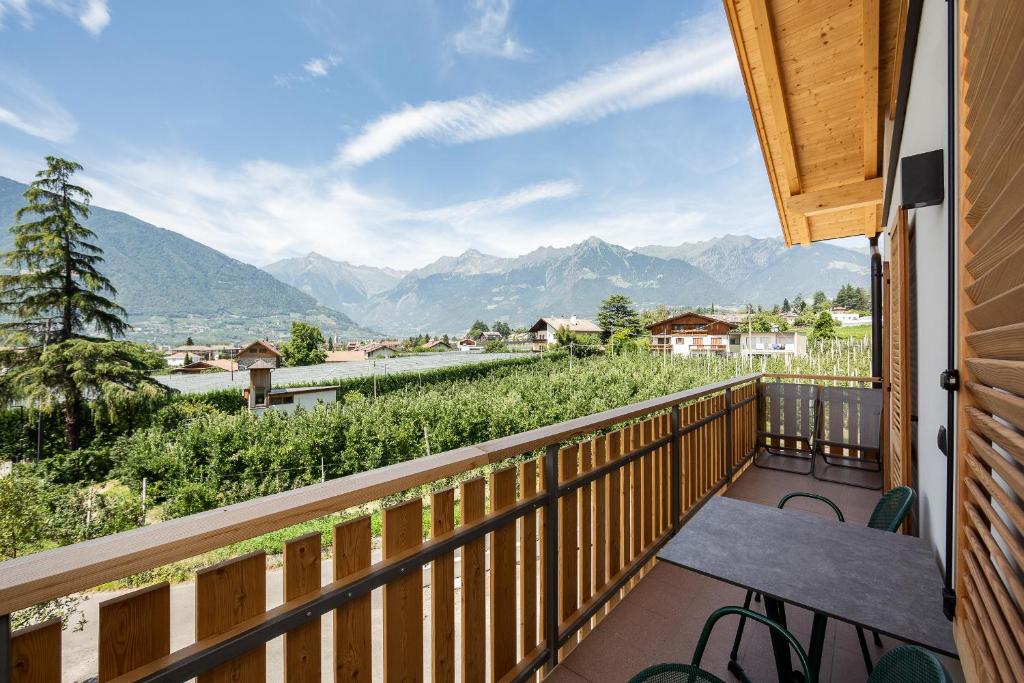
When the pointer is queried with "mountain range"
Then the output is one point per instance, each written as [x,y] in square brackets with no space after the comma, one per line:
[174,287]
[450,293]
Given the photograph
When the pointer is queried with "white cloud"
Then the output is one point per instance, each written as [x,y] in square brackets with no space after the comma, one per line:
[320,66]
[315,67]
[28,108]
[261,211]
[488,35]
[459,214]
[92,15]
[701,59]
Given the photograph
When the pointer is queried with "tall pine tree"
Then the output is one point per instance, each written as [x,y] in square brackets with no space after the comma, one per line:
[56,285]
[59,301]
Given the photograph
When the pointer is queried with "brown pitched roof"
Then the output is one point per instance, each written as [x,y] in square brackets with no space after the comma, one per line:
[691,314]
[581,325]
[270,347]
[262,364]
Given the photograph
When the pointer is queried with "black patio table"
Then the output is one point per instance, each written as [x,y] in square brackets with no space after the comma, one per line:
[879,580]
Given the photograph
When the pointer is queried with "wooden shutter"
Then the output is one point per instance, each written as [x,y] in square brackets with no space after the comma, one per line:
[899,365]
[990,516]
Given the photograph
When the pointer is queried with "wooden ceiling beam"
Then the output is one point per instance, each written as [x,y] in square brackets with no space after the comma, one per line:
[869,13]
[780,114]
[864,193]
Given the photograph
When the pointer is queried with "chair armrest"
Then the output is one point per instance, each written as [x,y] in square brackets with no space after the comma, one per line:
[804,494]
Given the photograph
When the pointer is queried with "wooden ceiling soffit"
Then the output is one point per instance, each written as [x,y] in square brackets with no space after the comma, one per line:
[819,125]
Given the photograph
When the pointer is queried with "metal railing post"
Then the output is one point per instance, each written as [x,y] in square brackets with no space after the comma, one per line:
[729,455]
[676,471]
[5,648]
[551,601]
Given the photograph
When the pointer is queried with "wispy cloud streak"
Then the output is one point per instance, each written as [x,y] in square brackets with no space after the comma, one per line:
[92,15]
[488,35]
[321,66]
[458,214]
[699,60]
[28,108]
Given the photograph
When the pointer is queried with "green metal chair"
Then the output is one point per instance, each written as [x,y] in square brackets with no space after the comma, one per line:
[890,511]
[692,673]
[909,664]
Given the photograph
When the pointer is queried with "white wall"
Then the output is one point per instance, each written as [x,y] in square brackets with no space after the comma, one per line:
[305,400]
[925,130]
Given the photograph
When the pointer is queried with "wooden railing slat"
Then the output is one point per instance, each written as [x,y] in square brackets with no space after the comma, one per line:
[302,577]
[402,529]
[636,490]
[568,540]
[134,629]
[36,653]
[647,483]
[227,594]
[528,562]
[442,591]
[474,625]
[353,640]
[503,577]
[586,530]
[600,497]
[613,449]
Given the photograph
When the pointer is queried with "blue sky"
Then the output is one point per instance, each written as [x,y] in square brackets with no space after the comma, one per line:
[390,133]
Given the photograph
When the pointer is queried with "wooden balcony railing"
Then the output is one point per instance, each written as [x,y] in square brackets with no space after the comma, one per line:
[589,516]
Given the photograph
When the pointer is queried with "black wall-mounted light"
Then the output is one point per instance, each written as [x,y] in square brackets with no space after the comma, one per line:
[921,180]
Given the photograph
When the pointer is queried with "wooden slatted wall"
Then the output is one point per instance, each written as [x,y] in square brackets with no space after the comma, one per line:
[990,554]
[899,362]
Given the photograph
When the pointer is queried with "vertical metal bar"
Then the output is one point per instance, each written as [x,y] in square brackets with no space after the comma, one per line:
[728,450]
[551,554]
[675,470]
[5,648]
[760,416]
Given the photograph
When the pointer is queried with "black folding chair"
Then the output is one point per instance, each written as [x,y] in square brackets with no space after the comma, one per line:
[850,419]
[788,413]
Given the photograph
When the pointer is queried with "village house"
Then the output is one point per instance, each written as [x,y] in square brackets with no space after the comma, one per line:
[437,345]
[790,343]
[175,360]
[199,366]
[519,341]
[689,334]
[488,336]
[259,350]
[195,351]
[356,353]
[260,396]
[468,344]
[544,330]
[844,316]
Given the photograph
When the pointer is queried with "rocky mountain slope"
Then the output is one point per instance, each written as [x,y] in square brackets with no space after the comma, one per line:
[174,287]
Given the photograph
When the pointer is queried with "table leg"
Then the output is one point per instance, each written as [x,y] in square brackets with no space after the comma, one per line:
[818,629]
[776,611]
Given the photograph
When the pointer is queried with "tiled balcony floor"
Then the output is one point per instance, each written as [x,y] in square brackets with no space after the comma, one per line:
[661,618]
